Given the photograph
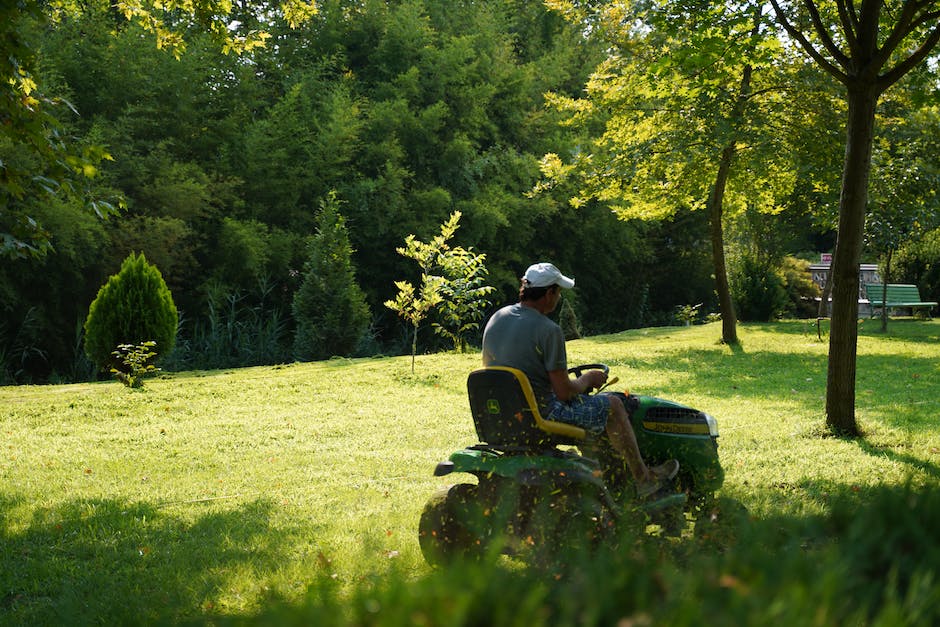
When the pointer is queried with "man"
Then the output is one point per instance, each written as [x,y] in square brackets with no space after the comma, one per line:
[522,336]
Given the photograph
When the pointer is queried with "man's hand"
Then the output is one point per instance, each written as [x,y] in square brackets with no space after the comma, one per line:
[566,388]
[592,379]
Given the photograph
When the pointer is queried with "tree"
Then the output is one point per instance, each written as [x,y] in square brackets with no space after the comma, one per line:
[329,309]
[451,280]
[904,199]
[683,106]
[133,307]
[463,295]
[38,155]
[31,120]
[868,47]
[415,305]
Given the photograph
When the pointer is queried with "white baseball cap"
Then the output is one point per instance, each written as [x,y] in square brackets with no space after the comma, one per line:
[545,275]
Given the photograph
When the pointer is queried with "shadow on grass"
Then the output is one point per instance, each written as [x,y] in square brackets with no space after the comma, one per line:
[899,329]
[888,387]
[114,562]
[914,463]
[871,556]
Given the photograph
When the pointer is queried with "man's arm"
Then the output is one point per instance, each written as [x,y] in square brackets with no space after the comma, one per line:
[566,388]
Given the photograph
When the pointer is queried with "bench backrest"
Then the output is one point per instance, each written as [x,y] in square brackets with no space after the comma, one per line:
[897,293]
[505,410]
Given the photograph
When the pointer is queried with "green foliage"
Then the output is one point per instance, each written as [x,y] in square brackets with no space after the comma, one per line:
[568,321]
[452,282]
[48,160]
[904,202]
[133,307]
[664,105]
[802,291]
[687,314]
[18,347]
[54,291]
[410,111]
[918,262]
[136,363]
[758,289]
[241,327]
[414,305]
[330,310]
[463,295]
[765,289]
[760,578]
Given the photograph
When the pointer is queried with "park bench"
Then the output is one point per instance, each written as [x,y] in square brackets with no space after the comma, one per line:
[897,296]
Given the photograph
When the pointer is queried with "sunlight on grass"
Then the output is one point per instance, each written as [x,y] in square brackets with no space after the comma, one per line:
[214,491]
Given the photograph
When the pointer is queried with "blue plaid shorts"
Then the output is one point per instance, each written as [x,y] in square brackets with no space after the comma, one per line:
[588,411]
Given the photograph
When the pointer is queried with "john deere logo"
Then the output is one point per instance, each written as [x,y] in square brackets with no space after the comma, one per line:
[492,406]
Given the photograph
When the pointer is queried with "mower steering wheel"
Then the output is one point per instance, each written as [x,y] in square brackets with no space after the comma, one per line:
[577,370]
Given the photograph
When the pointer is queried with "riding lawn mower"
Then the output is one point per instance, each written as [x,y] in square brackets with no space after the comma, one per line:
[542,483]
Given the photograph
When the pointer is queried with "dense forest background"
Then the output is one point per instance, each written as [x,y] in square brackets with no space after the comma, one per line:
[403,113]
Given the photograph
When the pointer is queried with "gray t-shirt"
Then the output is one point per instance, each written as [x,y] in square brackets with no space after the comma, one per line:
[521,337]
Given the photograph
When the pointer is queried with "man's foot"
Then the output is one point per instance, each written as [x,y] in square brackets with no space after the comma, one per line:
[666,471]
[660,476]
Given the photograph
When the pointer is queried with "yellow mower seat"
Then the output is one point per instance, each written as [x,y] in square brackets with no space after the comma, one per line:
[505,411]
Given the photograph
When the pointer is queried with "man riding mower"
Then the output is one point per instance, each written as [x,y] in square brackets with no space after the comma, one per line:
[540,482]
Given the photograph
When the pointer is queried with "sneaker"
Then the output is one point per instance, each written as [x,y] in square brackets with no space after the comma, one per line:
[666,471]
[662,475]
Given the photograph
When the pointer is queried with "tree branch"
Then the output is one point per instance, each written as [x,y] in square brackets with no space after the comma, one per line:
[849,19]
[824,37]
[889,78]
[811,50]
[905,24]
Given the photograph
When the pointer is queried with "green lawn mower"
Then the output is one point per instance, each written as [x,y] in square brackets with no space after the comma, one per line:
[540,483]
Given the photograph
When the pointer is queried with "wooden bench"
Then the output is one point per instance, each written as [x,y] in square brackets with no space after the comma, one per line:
[898,295]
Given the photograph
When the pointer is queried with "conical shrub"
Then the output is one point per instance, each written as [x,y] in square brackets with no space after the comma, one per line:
[133,307]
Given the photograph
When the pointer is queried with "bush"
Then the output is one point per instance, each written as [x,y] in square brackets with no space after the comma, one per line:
[133,307]
[568,320]
[329,309]
[137,362]
[871,562]
[758,290]
[240,329]
[801,290]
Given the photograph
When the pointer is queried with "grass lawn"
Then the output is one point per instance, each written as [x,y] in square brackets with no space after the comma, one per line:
[214,494]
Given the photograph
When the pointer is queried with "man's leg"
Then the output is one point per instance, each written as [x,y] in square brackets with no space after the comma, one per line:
[606,411]
[623,439]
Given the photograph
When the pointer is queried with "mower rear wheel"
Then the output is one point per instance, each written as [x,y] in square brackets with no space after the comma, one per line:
[442,534]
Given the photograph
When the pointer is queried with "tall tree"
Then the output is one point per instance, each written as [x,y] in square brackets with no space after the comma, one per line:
[684,102]
[905,192]
[329,308]
[31,120]
[867,46]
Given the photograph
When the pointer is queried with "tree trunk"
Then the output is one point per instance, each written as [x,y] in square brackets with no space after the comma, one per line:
[884,292]
[729,319]
[823,310]
[843,334]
